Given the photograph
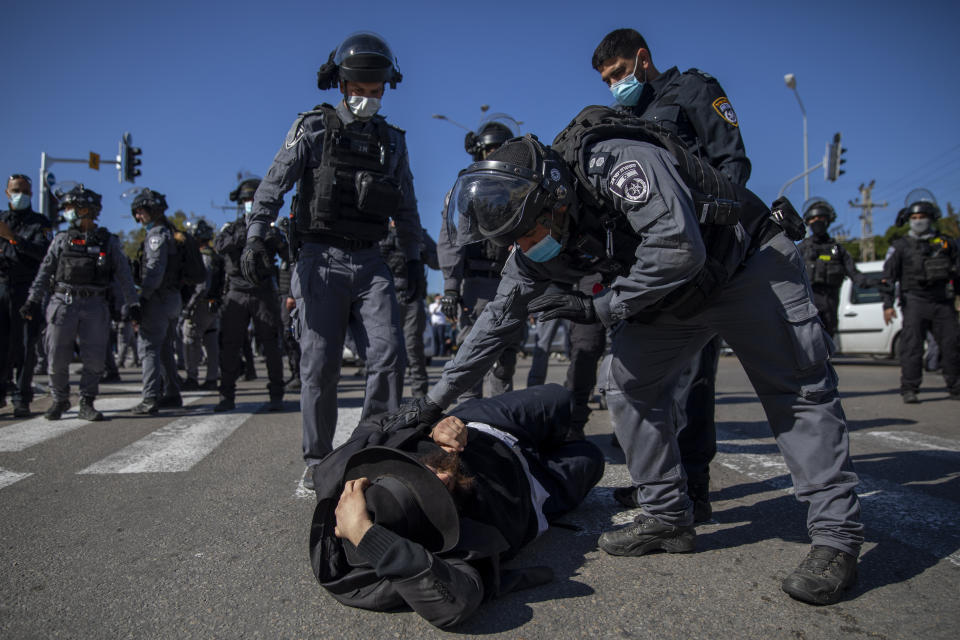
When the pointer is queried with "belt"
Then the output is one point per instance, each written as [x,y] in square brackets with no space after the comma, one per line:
[340,242]
[81,293]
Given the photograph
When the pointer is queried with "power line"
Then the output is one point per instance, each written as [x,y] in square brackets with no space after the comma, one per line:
[916,173]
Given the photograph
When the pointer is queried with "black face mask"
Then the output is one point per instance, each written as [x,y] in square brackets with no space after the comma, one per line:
[819,228]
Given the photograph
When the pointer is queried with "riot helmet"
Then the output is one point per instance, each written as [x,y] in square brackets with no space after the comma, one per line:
[363,56]
[73,196]
[143,198]
[202,231]
[500,199]
[817,206]
[245,189]
[918,201]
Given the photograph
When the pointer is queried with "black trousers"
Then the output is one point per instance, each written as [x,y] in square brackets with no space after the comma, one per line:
[18,341]
[827,299]
[587,344]
[239,308]
[919,316]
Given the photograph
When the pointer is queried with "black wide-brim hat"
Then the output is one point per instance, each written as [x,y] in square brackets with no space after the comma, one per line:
[405,497]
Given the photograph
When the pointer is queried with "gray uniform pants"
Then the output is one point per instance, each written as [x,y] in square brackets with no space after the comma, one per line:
[766,316]
[414,323]
[546,332]
[85,322]
[158,332]
[336,289]
[200,334]
[477,292]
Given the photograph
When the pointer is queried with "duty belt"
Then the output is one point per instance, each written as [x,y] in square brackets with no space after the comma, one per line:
[340,242]
[80,293]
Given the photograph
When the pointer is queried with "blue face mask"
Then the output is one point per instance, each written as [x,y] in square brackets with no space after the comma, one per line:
[627,90]
[19,201]
[546,249]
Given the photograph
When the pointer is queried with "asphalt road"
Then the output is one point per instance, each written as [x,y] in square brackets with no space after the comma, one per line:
[194,525]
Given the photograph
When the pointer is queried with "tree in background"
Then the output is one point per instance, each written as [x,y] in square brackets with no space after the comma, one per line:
[132,240]
[948,224]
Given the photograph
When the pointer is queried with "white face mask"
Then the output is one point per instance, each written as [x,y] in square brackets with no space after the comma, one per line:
[362,107]
[69,215]
[248,206]
[19,201]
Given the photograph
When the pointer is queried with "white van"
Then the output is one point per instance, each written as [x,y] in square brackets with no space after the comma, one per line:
[860,327]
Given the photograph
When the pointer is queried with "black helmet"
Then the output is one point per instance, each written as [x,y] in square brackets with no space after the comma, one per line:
[918,201]
[76,195]
[505,196]
[362,57]
[152,201]
[245,190]
[490,136]
[202,231]
[817,206]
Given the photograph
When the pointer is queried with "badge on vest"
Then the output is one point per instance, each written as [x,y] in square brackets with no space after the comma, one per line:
[725,110]
[629,182]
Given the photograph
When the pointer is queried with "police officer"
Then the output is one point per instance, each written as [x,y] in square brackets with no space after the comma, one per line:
[81,266]
[414,311]
[693,106]
[24,238]
[827,261]
[159,275]
[353,175]
[924,263]
[471,273]
[682,261]
[200,315]
[245,302]
[291,345]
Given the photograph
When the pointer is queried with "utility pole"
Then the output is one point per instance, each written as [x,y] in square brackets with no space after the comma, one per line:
[867,248]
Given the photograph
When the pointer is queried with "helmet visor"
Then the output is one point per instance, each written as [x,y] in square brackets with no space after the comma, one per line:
[488,205]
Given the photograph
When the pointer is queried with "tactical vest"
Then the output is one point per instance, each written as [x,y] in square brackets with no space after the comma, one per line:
[927,264]
[484,260]
[608,242]
[350,193]
[824,261]
[171,276]
[85,260]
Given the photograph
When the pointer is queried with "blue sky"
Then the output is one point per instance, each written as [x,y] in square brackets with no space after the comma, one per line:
[209,89]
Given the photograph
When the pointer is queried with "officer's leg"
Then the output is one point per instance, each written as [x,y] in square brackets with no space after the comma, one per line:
[414,322]
[233,332]
[587,342]
[765,314]
[375,315]
[931,358]
[266,326]
[211,344]
[168,358]
[249,364]
[92,336]
[153,330]
[546,331]
[500,378]
[697,436]
[22,339]
[6,336]
[826,309]
[62,323]
[192,345]
[945,332]
[913,330]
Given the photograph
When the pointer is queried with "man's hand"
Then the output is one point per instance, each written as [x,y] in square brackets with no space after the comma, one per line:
[291,303]
[421,414]
[30,310]
[572,306]
[254,261]
[353,521]
[451,434]
[5,232]
[889,315]
[450,304]
[415,278]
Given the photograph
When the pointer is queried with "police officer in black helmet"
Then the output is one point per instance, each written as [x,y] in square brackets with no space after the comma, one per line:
[352,175]
[926,264]
[471,273]
[201,315]
[827,261]
[82,265]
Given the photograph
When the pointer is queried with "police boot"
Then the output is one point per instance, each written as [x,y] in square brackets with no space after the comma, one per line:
[210,385]
[699,492]
[822,576]
[147,407]
[910,397]
[87,412]
[56,409]
[293,384]
[308,478]
[171,402]
[226,404]
[646,534]
[275,404]
[21,409]
[190,384]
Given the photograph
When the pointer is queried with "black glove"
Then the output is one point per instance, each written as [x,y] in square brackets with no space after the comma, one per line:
[134,313]
[572,306]
[421,413]
[30,310]
[450,304]
[254,262]
[415,278]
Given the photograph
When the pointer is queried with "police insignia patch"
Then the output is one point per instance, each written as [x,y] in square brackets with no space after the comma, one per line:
[294,135]
[155,242]
[629,182]
[725,110]
[598,164]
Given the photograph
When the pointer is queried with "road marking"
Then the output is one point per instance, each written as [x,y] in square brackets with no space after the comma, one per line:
[8,477]
[347,420]
[177,446]
[912,440]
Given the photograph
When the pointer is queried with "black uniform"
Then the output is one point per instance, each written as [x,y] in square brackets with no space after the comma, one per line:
[290,345]
[827,264]
[243,302]
[924,266]
[18,265]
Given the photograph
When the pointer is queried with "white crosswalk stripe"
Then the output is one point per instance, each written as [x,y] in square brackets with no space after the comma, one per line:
[8,477]
[910,440]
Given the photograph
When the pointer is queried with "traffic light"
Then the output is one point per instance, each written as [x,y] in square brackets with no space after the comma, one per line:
[129,160]
[834,159]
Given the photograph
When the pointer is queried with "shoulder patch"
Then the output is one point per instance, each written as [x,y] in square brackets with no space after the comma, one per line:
[629,182]
[725,110]
[295,133]
[599,163]
[155,241]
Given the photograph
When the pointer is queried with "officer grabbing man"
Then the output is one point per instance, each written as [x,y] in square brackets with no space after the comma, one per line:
[683,259]
[926,264]
[201,316]
[159,276]
[24,238]
[827,261]
[81,266]
[246,301]
[471,273]
[352,175]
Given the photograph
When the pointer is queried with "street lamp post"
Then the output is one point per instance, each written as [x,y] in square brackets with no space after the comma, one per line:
[791,81]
